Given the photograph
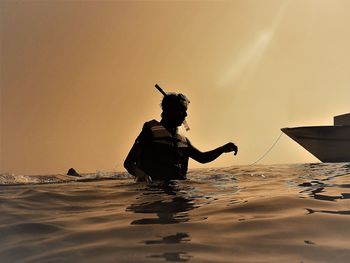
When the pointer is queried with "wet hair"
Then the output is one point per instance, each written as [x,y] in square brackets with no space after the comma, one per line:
[174,100]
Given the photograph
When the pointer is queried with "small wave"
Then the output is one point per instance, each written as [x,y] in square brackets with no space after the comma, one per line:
[14,179]
[325,171]
[30,228]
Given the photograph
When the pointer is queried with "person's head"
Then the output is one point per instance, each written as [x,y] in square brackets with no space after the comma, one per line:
[174,106]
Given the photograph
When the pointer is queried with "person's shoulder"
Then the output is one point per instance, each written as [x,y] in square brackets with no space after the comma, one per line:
[146,132]
[151,123]
[147,128]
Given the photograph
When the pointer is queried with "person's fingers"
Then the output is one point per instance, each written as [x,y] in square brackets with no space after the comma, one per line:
[232,147]
[236,149]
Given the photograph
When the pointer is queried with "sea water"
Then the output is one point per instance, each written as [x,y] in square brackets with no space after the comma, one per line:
[264,213]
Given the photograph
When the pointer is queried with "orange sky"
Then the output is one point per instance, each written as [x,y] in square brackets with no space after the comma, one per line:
[77,78]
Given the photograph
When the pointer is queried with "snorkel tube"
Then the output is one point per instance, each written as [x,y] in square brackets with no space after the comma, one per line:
[187,128]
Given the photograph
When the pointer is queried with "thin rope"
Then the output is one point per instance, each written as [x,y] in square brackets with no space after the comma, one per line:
[266,153]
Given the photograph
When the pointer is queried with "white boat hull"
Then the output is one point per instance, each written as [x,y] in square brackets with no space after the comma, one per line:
[326,143]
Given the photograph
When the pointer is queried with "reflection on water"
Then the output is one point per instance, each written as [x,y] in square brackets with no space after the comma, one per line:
[308,242]
[171,205]
[316,188]
[345,212]
[172,239]
[166,201]
[174,256]
[167,212]
[327,187]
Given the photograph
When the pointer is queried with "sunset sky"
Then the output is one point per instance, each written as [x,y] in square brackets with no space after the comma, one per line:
[77,77]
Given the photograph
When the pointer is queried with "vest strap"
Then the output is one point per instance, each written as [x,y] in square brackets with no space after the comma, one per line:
[162,135]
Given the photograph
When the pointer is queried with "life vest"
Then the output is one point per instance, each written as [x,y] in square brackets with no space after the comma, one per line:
[166,156]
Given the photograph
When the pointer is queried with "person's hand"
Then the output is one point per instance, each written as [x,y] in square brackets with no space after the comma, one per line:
[230,147]
[142,177]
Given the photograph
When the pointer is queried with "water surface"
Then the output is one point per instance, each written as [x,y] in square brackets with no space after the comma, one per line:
[276,213]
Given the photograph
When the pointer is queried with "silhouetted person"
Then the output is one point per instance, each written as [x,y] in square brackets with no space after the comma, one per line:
[160,152]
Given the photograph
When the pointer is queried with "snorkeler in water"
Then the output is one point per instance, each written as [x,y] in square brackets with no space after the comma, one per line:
[160,152]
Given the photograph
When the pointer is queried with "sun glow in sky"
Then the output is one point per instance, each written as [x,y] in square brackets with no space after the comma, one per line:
[252,53]
[77,78]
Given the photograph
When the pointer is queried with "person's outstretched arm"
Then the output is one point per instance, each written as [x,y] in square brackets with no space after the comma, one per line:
[206,157]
